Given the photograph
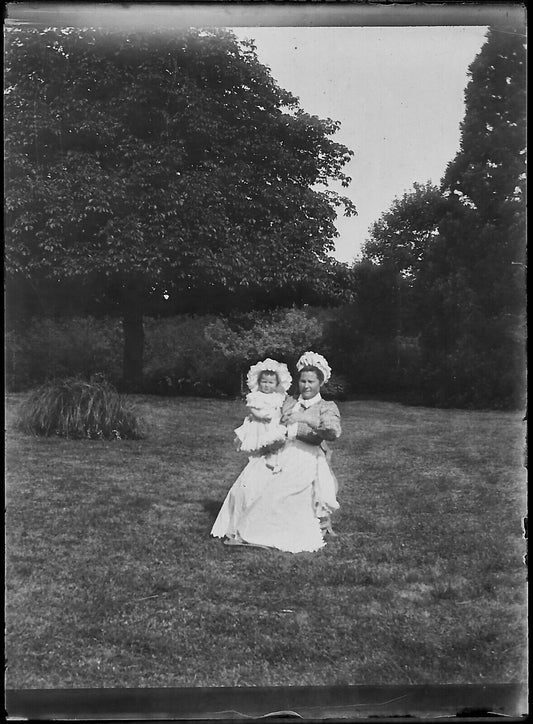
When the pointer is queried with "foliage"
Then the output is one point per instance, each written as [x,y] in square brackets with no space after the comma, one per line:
[374,365]
[398,244]
[403,233]
[178,338]
[284,335]
[469,376]
[179,357]
[472,281]
[204,355]
[360,338]
[377,293]
[370,366]
[218,354]
[445,266]
[112,579]
[338,387]
[488,172]
[77,409]
[158,162]
[44,349]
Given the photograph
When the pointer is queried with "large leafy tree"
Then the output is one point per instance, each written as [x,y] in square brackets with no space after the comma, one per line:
[398,242]
[147,164]
[472,279]
[401,236]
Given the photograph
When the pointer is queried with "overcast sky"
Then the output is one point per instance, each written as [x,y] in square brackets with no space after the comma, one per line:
[398,93]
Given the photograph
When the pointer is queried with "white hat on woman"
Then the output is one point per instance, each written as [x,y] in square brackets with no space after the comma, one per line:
[313,359]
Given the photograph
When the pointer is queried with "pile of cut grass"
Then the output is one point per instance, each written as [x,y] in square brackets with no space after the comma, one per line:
[78,409]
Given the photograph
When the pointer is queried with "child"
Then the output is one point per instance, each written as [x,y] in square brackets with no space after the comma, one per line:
[261,431]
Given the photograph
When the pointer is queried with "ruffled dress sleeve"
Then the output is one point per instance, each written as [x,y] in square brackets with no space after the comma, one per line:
[329,427]
[324,424]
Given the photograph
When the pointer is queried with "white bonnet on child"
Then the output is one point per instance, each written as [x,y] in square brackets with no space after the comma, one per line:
[269,365]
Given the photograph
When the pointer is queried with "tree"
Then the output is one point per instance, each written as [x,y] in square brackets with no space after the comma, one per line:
[455,255]
[472,278]
[359,337]
[402,234]
[398,243]
[148,164]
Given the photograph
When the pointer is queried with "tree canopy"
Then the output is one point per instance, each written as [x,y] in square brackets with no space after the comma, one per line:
[453,257]
[473,278]
[402,234]
[483,232]
[146,163]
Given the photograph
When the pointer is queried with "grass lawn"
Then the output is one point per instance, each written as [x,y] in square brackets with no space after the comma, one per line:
[113,580]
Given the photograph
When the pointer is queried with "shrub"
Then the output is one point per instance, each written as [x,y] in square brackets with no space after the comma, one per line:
[483,368]
[180,360]
[282,335]
[369,365]
[174,381]
[336,388]
[47,349]
[175,342]
[210,355]
[74,408]
[199,355]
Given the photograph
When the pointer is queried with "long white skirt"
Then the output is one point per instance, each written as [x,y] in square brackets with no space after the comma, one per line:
[280,510]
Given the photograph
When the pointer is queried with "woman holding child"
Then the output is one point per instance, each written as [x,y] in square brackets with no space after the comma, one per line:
[286,494]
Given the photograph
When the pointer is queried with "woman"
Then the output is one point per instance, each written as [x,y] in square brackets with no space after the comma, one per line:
[285,510]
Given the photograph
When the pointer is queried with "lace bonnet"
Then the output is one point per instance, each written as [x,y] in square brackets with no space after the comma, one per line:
[313,359]
[269,365]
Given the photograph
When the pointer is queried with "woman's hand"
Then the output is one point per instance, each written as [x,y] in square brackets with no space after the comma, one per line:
[288,417]
[294,416]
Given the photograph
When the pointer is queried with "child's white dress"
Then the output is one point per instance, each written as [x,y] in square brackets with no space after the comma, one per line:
[256,433]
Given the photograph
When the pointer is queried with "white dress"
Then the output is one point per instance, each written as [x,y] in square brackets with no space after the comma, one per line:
[256,433]
[283,510]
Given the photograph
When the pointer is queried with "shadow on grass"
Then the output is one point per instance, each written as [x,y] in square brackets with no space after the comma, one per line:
[211,507]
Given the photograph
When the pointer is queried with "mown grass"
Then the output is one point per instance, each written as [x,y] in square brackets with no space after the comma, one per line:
[113,581]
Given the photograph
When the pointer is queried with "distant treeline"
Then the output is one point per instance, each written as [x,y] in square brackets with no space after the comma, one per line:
[209,355]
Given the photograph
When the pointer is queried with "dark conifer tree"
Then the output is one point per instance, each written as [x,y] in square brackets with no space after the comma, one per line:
[472,280]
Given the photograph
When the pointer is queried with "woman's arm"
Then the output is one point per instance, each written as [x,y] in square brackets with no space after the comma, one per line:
[322,424]
[286,409]
[329,427]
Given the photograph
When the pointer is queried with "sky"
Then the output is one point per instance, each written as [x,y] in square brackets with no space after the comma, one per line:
[398,93]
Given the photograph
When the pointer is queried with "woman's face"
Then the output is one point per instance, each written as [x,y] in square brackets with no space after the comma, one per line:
[309,385]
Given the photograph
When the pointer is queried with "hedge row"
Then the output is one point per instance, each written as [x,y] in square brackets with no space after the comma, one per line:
[210,355]
[198,355]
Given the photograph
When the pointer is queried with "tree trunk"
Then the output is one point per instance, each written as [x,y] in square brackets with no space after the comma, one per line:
[132,369]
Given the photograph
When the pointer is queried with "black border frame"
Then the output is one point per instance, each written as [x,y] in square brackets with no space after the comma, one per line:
[392,703]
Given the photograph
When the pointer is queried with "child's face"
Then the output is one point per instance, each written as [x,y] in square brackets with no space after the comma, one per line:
[268,383]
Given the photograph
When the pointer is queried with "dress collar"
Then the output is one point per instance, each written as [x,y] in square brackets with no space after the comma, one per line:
[308,403]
